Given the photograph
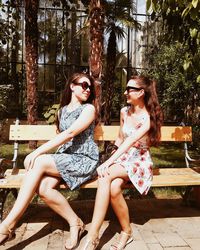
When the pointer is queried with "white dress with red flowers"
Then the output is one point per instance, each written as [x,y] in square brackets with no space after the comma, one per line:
[137,160]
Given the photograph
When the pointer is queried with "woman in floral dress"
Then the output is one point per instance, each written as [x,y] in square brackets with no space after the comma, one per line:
[75,161]
[140,123]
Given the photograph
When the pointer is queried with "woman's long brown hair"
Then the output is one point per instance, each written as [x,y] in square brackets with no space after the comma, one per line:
[153,107]
[67,94]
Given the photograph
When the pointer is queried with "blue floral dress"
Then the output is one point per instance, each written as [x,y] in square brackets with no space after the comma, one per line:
[137,160]
[77,159]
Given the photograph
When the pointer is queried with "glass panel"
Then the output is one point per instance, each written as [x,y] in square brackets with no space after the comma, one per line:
[41,79]
[42,36]
[49,78]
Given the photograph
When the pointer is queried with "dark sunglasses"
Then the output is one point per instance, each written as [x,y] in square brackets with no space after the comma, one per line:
[84,85]
[128,88]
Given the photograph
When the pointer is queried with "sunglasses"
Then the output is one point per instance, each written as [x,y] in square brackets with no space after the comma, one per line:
[129,88]
[84,85]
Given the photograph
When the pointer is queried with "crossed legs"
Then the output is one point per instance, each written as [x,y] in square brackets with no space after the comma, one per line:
[43,178]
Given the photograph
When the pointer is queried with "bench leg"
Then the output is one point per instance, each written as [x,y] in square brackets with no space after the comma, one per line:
[186,195]
[3,196]
[196,193]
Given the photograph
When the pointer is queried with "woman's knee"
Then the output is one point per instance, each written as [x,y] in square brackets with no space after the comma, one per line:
[116,187]
[106,180]
[44,188]
[42,164]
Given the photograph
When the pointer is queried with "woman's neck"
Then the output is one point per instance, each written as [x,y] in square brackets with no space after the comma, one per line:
[74,103]
[138,108]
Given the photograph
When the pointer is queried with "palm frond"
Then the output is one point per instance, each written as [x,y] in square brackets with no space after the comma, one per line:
[119,31]
[85,29]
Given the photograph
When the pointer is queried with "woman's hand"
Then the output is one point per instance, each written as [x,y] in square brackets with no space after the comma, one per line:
[29,160]
[103,169]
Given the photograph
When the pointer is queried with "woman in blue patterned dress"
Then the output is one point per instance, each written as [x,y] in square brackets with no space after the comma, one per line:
[140,124]
[75,161]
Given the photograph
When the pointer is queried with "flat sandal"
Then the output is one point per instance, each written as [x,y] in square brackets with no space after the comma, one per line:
[81,229]
[122,243]
[91,244]
[8,233]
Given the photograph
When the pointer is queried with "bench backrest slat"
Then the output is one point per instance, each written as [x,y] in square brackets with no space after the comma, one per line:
[102,133]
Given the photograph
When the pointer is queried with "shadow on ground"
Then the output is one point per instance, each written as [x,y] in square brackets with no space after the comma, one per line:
[141,211]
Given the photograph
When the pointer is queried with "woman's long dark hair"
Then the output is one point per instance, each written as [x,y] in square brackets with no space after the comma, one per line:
[67,93]
[153,107]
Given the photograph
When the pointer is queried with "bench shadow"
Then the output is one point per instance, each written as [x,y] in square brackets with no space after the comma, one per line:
[140,210]
[40,234]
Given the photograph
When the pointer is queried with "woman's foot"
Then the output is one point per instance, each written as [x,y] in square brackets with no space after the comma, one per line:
[91,244]
[123,241]
[5,234]
[76,231]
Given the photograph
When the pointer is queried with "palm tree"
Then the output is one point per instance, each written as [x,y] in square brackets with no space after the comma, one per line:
[118,16]
[96,24]
[31,42]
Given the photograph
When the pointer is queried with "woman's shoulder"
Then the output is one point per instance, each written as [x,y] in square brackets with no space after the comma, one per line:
[124,109]
[88,107]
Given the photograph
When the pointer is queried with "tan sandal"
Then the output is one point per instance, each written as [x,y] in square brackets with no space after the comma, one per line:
[6,234]
[80,228]
[91,244]
[124,240]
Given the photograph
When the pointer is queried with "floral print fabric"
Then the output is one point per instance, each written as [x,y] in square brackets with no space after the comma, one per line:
[138,164]
[137,160]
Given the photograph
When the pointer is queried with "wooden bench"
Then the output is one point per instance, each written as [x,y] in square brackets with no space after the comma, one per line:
[163,177]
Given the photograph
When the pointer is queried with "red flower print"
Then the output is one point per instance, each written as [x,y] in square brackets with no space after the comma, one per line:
[141,172]
[143,151]
[142,158]
[134,170]
[137,164]
[150,169]
[140,183]
[123,157]
[138,126]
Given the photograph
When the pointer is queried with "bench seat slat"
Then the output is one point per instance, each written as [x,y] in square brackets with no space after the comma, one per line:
[163,177]
[102,133]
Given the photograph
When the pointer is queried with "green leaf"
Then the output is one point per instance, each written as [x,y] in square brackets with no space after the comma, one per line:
[46,115]
[56,106]
[186,65]
[193,32]
[187,10]
[148,4]
[195,3]
[198,79]
[51,119]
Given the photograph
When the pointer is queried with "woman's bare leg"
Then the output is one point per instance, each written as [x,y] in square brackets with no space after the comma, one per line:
[44,164]
[119,205]
[56,201]
[103,198]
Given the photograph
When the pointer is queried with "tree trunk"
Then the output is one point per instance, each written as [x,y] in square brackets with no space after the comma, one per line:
[110,77]
[31,42]
[96,16]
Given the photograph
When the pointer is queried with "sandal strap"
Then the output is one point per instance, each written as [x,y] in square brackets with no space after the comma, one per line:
[78,224]
[121,243]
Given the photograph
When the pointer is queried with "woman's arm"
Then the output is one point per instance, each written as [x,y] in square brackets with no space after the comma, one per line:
[86,117]
[120,137]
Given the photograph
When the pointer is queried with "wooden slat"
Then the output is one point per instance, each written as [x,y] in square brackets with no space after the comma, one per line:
[32,132]
[163,177]
[102,133]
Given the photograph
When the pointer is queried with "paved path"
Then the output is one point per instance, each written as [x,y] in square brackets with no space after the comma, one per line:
[157,224]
